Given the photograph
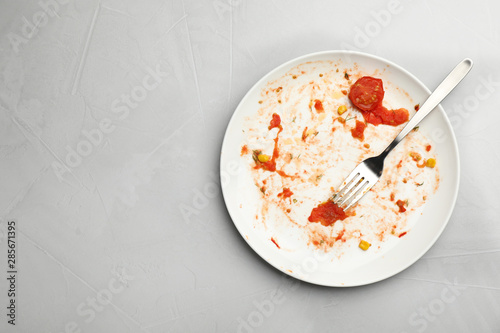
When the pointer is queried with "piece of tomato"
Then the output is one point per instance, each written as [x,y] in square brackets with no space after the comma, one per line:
[367,93]
[382,115]
[358,131]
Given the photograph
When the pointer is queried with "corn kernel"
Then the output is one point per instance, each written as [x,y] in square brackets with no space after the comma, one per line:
[364,245]
[263,158]
[431,163]
[342,109]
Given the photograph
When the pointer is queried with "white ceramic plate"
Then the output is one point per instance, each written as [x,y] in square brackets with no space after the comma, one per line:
[312,265]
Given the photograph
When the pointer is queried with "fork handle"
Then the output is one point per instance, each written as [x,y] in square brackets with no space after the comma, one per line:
[448,84]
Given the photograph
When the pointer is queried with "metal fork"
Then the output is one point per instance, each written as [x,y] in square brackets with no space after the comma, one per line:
[368,172]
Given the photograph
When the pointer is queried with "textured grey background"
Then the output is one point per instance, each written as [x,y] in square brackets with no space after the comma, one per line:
[98,181]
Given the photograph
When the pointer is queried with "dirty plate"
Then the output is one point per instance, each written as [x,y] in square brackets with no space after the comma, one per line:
[353,269]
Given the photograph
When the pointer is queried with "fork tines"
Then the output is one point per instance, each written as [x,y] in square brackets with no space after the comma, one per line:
[351,190]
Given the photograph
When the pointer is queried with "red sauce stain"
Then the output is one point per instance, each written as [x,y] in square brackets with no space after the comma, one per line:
[340,236]
[367,94]
[304,134]
[275,122]
[421,165]
[285,194]
[344,92]
[393,196]
[327,213]
[402,234]
[244,150]
[358,131]
[417,107]
[283,174]
[428,148]
[321,240]
[271,164]
[263,190]
[318,106]
[275,243]
[415,156]
[401,205]
[400,164]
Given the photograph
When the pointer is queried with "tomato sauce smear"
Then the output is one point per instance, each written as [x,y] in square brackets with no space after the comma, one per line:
[285,194]
[275,243]
[275,122]
[327,213]
[401,205]
[271,164]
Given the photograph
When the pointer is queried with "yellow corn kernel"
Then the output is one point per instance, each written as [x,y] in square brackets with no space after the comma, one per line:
[263,158]
[431,163]
[342,109]
[364,245]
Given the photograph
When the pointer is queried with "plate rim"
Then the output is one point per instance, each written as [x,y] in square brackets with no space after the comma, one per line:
[456,182]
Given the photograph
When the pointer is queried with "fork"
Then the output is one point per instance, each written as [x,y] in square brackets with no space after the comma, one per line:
[368,172]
